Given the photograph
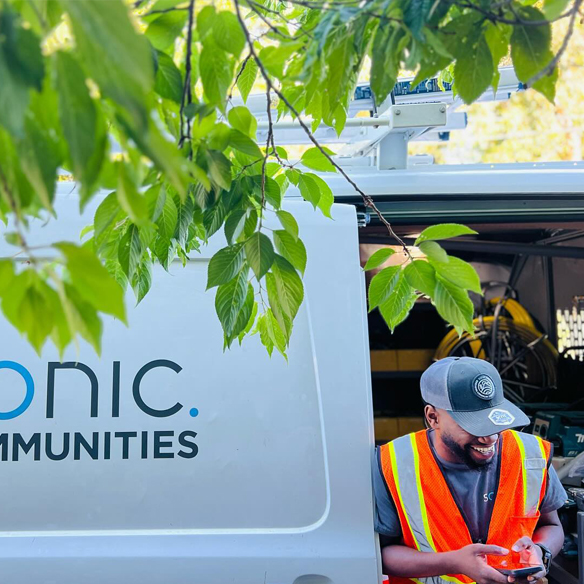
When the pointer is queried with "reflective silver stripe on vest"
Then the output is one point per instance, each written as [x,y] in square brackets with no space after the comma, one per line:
[406,474]
[407,483]
[534,467]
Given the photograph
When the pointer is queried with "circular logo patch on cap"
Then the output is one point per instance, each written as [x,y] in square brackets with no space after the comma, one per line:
[484,387]
[501,417]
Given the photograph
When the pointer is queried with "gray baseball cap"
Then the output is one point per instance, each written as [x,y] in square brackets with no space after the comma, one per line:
[471,391]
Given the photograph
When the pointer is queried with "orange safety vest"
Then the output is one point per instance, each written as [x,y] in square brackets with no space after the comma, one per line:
[431,520]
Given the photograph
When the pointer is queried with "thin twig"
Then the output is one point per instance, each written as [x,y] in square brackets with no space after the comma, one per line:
[368,201]
[187,96]
[243,64]
[165,11]
[267,153]
[280,15]
[549,68]
[264,19]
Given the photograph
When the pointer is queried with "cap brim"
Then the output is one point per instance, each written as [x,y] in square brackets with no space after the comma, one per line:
[492,420]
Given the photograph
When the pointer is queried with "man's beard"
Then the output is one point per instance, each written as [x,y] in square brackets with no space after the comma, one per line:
[463,453]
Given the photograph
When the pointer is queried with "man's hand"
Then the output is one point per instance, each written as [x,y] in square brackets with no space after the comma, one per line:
[471,561]
[530,553]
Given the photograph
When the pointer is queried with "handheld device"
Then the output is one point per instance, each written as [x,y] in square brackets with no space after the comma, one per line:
[520,572]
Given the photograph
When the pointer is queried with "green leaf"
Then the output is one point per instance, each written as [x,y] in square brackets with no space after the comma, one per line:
[186,212]
[259,252]
[460,273]
[35,316]
[6,276]
[547,85]
[104,216]
[284,321]
[241,119]
[218,138]
[416,15]
[326,198]
[40,155]
[142,280]
[433,251]
[247,315]
[14,98]
[22,50]
[250,224]
[392,310]
[216,75]
[213,219]
[163,30]
[241,142]
[229,302]
[554,8]
[385,60]
[234,225]
[131,201]
[92,280]
[288,223]
[271,334]
[313,158]
[224,265]
[473,71]
[116,57]
[83,315]
[309,189]
[165,251]
[453,304]
[227,33]
[83,128]
[155,198]
[389,313]
[378,258]
[497,36]
[168,219]
[168,81]
[205,20]
[444,231]
[382,285]
[244,317]
[421,276]
[219,168]
[530,45]
[291,249]
[130,251]
[288,285]
[274,58]
[247,78]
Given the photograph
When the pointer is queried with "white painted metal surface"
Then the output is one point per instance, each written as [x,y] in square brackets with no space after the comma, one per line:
[280,486]
[468,179]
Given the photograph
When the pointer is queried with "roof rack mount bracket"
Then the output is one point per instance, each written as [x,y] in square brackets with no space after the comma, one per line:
[407,121]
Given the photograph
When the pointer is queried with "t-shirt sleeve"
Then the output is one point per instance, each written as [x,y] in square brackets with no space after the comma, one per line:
[555,495]
[386,517]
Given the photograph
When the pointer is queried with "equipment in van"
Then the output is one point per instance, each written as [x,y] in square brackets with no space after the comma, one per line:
[506,336]
[564,429]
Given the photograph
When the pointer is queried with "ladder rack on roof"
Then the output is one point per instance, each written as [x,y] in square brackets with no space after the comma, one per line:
[425,112]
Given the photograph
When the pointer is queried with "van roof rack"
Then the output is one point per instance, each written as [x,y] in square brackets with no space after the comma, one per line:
[382,131]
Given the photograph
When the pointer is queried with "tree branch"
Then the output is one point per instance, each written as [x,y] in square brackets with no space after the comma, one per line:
[368,201]
[187,96]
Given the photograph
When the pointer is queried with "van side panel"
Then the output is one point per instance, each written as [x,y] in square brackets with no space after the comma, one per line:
[169,460]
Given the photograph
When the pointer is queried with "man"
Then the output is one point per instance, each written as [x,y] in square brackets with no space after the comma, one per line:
[468,495]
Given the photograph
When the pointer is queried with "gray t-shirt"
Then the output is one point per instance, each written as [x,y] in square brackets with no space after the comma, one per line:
[473,489]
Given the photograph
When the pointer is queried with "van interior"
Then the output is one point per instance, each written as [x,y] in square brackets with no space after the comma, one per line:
[529,324]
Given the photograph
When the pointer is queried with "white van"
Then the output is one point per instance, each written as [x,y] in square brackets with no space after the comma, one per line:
[168,461]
